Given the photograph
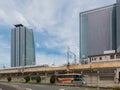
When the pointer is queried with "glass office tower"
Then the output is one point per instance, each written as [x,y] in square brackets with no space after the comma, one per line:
[22,46]
[118,24]
[97,31]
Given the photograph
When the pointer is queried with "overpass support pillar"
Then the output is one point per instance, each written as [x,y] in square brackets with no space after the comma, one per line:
[117,75]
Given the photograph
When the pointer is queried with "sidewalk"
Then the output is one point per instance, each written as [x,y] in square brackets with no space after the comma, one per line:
[110,85]
[94,85]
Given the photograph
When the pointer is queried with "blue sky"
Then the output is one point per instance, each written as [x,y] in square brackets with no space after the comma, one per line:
[55,24]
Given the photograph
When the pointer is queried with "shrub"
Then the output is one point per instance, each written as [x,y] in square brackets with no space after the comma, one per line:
[38,79]
[52,79]
[27,78]
[9,79]
[117,88]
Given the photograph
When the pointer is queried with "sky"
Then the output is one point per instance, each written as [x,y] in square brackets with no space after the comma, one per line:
[55,24]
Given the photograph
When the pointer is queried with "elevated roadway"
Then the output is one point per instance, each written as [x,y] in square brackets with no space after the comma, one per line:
[112,64]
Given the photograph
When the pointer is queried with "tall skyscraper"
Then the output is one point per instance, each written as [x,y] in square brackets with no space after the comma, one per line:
[118,24]
[100,30]
[22,46]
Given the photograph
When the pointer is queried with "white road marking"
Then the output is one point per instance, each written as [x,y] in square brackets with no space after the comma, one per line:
[15,85]
[61,89]
[1,89]
[28,89]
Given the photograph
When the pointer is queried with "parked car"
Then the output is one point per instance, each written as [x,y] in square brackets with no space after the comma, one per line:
[79,81]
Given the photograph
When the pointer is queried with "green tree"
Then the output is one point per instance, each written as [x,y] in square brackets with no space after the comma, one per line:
[52,79]
[117,88]
[9,79]
[38,79]
[27,78]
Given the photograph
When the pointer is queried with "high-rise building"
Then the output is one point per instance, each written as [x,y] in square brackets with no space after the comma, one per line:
[22,46]
[99,30]
[118,24]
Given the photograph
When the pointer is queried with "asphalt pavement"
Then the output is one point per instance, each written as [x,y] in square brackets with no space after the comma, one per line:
[9,87]
[19,86]
[52,87]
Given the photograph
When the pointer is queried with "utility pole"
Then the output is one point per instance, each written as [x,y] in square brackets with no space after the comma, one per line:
[68,51]
[68,63]
[68,54]
[75,60]
[68,57]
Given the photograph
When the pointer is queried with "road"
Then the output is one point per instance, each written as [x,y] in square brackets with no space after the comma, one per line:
[49,87]
[9,87]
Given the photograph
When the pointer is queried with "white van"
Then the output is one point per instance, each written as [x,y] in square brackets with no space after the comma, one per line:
[79,81]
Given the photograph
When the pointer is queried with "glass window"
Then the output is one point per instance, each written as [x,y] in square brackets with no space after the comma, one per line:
[97,31]
[106,77]
[111,56]
[100,58]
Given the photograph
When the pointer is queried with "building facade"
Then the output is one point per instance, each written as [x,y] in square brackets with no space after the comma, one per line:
[118,24]
[22,46]
[99,31]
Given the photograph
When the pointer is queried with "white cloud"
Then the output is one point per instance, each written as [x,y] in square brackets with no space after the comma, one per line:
[5,45]
[1,36]
[37,45]
[4,59]
[20,18]
[60,18]
[50,59]
[4,54]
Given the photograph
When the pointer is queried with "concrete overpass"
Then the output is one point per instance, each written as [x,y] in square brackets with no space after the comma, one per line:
[108,72]
[112,64]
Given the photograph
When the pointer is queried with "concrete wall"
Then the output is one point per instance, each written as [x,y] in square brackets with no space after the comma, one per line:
[92,79]
[117,75]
